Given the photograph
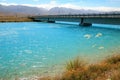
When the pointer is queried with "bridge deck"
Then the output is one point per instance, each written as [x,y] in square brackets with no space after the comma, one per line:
[84,18]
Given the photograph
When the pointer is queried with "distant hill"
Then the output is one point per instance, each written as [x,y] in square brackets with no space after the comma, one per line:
[26,10]
[22,10]
[62,10]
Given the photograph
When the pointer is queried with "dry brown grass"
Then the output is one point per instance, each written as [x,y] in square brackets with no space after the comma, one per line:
[108,69]
[113,59]
[14,19]
[75,64]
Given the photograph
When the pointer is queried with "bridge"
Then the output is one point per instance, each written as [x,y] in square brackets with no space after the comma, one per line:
[84,19]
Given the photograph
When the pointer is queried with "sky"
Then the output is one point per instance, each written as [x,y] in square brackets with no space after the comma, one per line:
[101,5]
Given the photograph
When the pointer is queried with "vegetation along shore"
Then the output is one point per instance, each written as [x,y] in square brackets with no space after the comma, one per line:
[108,69]
[14,19]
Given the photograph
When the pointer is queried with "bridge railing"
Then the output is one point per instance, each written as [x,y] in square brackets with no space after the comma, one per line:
[93,15]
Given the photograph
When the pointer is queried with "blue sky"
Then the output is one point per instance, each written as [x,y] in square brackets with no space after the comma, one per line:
[77,4]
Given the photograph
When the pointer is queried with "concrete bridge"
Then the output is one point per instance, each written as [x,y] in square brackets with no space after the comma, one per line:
[84,19]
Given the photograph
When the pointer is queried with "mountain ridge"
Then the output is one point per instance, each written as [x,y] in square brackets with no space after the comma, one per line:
[27,10]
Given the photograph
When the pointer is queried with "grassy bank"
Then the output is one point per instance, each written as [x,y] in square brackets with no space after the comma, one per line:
[14,19]
[108,69]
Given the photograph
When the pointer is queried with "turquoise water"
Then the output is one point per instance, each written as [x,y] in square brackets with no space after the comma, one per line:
[34,49]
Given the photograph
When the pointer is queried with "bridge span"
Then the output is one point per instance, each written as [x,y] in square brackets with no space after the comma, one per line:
[84,19]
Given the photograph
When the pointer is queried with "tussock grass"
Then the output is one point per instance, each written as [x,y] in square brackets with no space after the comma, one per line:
[116,75]
[75,64]
[113,59]
[108,69]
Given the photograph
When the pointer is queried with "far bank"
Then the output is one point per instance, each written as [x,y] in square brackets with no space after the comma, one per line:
[15,19]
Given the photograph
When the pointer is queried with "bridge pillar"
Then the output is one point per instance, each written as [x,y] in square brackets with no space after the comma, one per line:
[81,20]
[82,23]
[50,21]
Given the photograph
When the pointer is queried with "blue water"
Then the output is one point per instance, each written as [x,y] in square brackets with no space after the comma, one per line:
[34,49]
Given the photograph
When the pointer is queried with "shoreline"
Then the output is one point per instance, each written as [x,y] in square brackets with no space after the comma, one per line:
[14,19]
[59,74]
[55,72]
[107,68]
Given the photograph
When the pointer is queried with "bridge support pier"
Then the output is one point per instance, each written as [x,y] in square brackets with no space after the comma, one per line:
[51,21]
[82,23]
[85,24]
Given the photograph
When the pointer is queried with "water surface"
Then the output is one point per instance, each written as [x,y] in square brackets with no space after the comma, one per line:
[33,48]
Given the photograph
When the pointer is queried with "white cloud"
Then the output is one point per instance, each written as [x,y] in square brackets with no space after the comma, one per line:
[53,3]
[7,4]
[49,5]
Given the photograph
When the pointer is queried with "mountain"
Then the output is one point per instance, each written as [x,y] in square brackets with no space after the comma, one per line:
[18,9]
[27,10]
[62,10]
